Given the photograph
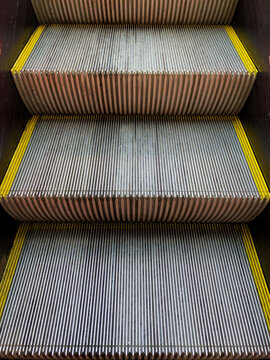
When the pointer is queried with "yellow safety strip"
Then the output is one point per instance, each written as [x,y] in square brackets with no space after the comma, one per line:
[17,157]
[11,265]
[251,68]
[257,272]
[27,49]
[251,160]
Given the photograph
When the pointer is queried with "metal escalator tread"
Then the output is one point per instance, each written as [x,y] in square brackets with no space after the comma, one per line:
[135,11]
[134,168]
[150,290]
[127,69]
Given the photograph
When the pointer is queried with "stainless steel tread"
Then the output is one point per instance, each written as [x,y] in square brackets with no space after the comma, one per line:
[134,168]
[129,69]
[135,11]
[118,290]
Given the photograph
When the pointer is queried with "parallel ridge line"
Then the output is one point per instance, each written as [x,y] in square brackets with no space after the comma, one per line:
[257,273]
[27,49]
[251,159]
[10,269]
[17,157]
[241,50]
[153,139]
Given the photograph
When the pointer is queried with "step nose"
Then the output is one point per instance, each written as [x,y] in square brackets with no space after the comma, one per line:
[134,168]
[91,69]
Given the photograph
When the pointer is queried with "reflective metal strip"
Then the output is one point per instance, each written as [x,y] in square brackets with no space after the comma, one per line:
[27,49]
[17,157]
[11,266]
[135,11]
[252,162]
[257,273]
[241,50]
[152,291]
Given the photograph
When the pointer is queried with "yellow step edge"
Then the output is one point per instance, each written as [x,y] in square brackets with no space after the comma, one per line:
[257,272]
[11,265]
[251,160]
[251,68]
[27,49]
[17,157]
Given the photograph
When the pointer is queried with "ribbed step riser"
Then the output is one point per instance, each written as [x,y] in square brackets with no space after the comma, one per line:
[130,209]
[134,169]
[134,70]
[135,11]
[134,94]
[134,292]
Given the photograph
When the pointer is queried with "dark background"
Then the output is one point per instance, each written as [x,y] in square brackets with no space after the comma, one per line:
[251,22]
[17,22]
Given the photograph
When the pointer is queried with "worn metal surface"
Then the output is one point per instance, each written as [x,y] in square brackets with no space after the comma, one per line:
[134,70]
[135,11]
[134,168]
[184,290]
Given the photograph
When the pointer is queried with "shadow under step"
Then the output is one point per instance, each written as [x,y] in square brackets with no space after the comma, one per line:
[135,11]
[90,69]
[134,168]
[151,291]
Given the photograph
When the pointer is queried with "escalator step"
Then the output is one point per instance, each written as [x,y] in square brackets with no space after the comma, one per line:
[134,168]
[96,69]
[144,290]
[135,11]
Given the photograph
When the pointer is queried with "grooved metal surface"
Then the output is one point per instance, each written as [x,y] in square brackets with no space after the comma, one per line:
[134,70]
[134,168]
[135,11]
[184,290]
[130,49]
